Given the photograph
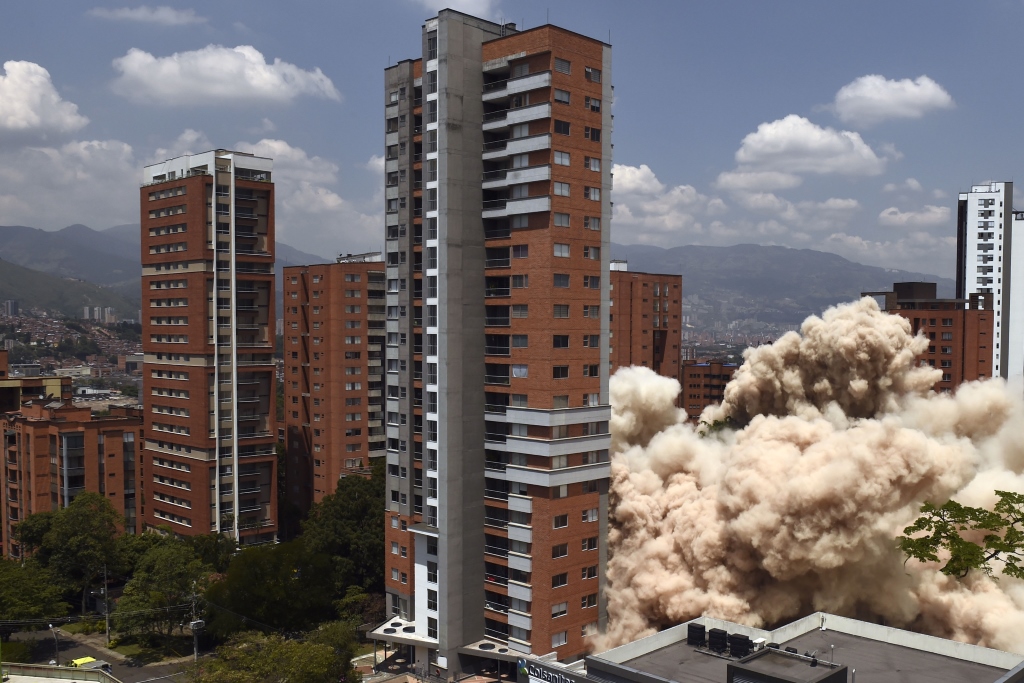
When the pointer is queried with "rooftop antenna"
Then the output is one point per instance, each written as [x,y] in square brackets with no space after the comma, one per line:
[547,16]
[832,656]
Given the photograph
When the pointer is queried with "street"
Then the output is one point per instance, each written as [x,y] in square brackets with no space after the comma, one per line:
[124,672]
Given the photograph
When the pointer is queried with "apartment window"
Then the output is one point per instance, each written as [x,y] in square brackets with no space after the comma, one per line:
[588,601]
[945,364]
[592,134]
[563,66]
[592,341]
[520,251]
[520,310]
[520,341]
[947,349]
[592,103]
[432,600]
[563,158]
[590,543]
[591,400]
[560,491]
[590,515]
[591,282]
[559,639]
[561,127]
[560,550]
[947,336]
[392,152]
[562,96]
[520,70]
[520,370]
[394,574]
[591,74]
[393,96]
[559,580]
[431,626]
[517,400]
[560,372]
[561,310]
[520,281]
[561,189]
[521,130]
[560,462]
[432,572]
[560,521]
[561,280]
[589,572]
[593,253]
[560,341]
[589,487]
[947,322]
[592,312]
[562,250]
[394,547]
[519,221]
[591,223]
[592,163]
[561,220]
[592,193]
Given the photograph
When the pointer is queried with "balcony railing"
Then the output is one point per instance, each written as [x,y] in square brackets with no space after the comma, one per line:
[497,351]
[493,292]
[498,321]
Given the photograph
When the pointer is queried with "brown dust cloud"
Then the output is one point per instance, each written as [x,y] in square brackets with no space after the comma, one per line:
[839,440]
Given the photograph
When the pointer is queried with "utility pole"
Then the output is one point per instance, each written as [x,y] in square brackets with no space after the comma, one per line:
[106,603]
[195,625]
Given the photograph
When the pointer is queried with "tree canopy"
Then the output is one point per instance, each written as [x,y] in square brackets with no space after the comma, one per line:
[28,591]
[950,528]
[165,578]
[348,525]
[252,657]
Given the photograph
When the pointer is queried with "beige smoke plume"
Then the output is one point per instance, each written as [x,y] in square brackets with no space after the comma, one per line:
[838,441]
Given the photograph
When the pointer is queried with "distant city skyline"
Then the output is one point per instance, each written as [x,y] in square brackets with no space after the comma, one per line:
[847,127]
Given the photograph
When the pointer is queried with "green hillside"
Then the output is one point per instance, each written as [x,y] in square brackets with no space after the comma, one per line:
[33,289]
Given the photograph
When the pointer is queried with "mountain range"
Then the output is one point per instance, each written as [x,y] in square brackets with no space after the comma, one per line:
[769,284]
[777,285]
[109,258]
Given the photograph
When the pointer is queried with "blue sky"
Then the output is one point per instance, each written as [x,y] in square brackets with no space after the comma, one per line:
[842,126]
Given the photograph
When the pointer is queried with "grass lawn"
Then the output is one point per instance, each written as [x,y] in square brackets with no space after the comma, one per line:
[154,648]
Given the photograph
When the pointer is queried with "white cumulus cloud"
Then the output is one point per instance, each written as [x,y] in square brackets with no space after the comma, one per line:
[216,75]
[144,14]
[636,179]
[654,213]
[30,104]
[94,182]
[925,217]
[874,98]
[757,181]
[795,145]
[908,184]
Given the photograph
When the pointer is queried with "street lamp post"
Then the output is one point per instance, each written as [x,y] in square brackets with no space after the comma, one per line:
[56,643]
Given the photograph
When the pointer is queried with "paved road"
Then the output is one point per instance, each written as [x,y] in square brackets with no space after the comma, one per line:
[124,672]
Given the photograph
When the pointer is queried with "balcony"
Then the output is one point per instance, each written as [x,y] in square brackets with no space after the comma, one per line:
[501,89]
[516,176]
[502,208]
[499,149]
[506,118]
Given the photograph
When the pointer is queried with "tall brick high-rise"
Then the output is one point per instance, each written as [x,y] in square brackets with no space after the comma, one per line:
[208,336]
[333,373]
[498,172]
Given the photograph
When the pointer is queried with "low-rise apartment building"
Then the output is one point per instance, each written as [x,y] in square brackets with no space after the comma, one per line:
[645,319]
[960,331]
[53,451]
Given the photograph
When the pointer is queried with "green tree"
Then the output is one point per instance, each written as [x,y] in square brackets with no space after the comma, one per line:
[28,591]
[131,548]
[283,586]
[215,550]
[29,532]
[165,578]
[943,529]
[258,658]
[81,540]
[348,525]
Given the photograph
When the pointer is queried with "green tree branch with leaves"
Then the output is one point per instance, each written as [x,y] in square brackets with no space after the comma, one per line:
[942,529]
